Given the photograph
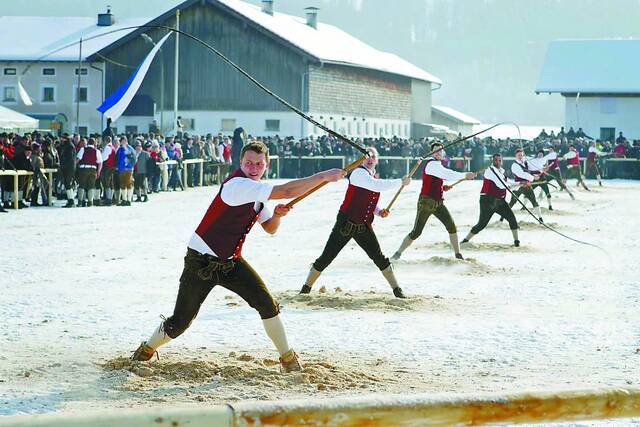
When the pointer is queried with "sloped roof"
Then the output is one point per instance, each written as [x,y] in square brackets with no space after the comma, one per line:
[456,115]
[328,43]
[10,119]
[591,66]
[28,38]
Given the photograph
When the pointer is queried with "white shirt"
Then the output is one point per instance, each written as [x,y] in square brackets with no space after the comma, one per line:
[235,192]
[106,151]
[517,169]
[363,178]
[570,155]
[536,163]
[497,180]
[435,168]
[98,155]
[551,156]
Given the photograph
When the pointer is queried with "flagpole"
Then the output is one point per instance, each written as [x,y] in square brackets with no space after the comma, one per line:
[78,90]
[175,82]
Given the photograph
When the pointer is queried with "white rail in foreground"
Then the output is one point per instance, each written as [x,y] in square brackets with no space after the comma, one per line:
[416,410]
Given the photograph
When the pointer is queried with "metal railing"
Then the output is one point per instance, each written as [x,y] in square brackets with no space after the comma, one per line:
[371,410]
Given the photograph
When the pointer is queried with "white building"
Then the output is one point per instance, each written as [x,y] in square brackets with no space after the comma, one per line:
[453,119]
[600,82]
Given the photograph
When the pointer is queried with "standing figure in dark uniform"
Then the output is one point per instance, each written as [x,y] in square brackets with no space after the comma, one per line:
[68,169]
[236,147]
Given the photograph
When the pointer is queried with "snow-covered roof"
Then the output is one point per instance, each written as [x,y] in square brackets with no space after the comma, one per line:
[11,119]
[27,38]
[591,66]
[328,43]
[527,132]
[456,115]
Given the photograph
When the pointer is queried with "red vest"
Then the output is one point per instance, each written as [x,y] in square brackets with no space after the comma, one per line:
[489,188]
[525,169]
[553,164]
[574,161]
[89,157]
[224,228]
[591,156]
[226,152]
[110,162]
[431,185]
[359,204]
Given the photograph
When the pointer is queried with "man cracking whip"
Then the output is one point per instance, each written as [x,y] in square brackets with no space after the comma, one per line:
[355,220]
[573,166]
[214,254]
[492,200]
[431,200]
[553,170]
[538,166]
[592,163]
[522,175]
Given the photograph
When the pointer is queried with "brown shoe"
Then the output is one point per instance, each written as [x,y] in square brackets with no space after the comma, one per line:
[144,353]
[289,362]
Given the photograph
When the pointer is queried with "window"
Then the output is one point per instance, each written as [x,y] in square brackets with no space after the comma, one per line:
[9,94]
[228,124]
[84,94]
[48,94]
[272,125]
[386,129]
[131,130]
[48,71]
[393,129]
[9,71]
[358,128]
[366,128]
[349,128]
[83,71]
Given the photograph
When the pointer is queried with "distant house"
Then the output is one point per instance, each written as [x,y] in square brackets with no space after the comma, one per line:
[341,81]
[453,119]
[600,82]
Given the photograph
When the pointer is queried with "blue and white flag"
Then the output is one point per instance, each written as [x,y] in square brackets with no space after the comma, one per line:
[114,106]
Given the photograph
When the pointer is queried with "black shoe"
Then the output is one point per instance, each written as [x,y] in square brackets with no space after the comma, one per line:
[516,243]
[464,241]
[145,198]
[138,199]
[6,205]
[89,204]
[70,204]
[459,256]
[541,220]
[83,204]
[3,210]
[550,208]
[305,289]
[21,205]
[398,292]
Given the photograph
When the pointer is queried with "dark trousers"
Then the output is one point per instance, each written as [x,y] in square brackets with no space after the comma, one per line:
[427,207]
[343,231]
[201,273]
[526,192]
[490,205]
[557,177]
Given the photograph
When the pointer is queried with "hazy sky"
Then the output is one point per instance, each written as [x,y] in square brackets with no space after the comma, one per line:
[487,52]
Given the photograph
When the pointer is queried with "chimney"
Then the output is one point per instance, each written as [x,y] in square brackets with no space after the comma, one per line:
[312,16]
[106,19]
[267,7]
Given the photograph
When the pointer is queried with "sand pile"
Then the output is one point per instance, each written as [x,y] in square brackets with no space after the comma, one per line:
[357,300]
[215,376]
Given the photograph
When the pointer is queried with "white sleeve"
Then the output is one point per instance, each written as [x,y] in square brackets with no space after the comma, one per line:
[240,191]
[517,170]
[363,179]
[106,151]
[570,155]
[265,214]
[435,168]
[551,157]
[220,150]
[80,154]
[536,164]
[98,157]
[491,176]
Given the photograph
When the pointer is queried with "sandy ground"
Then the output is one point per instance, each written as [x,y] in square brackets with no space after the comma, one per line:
[82,287]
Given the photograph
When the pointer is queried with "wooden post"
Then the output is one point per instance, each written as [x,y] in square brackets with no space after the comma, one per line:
[201,172]
[185,175]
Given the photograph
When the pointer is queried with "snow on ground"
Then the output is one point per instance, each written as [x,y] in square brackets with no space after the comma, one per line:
[82,287]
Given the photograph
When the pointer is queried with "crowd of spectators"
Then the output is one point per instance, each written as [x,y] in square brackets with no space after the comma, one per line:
[155,163]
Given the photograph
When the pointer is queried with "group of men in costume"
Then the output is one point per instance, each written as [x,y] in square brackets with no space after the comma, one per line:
[214,252]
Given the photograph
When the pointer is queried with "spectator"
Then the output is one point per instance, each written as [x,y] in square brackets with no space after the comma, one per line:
[125,159]
[140,173]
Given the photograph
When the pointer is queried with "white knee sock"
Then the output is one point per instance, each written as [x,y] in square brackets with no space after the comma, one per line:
[80,194]
[275,330]
[404,245]
[159,337]
[515,234]
[538,211]
[453,239]
[469,236]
